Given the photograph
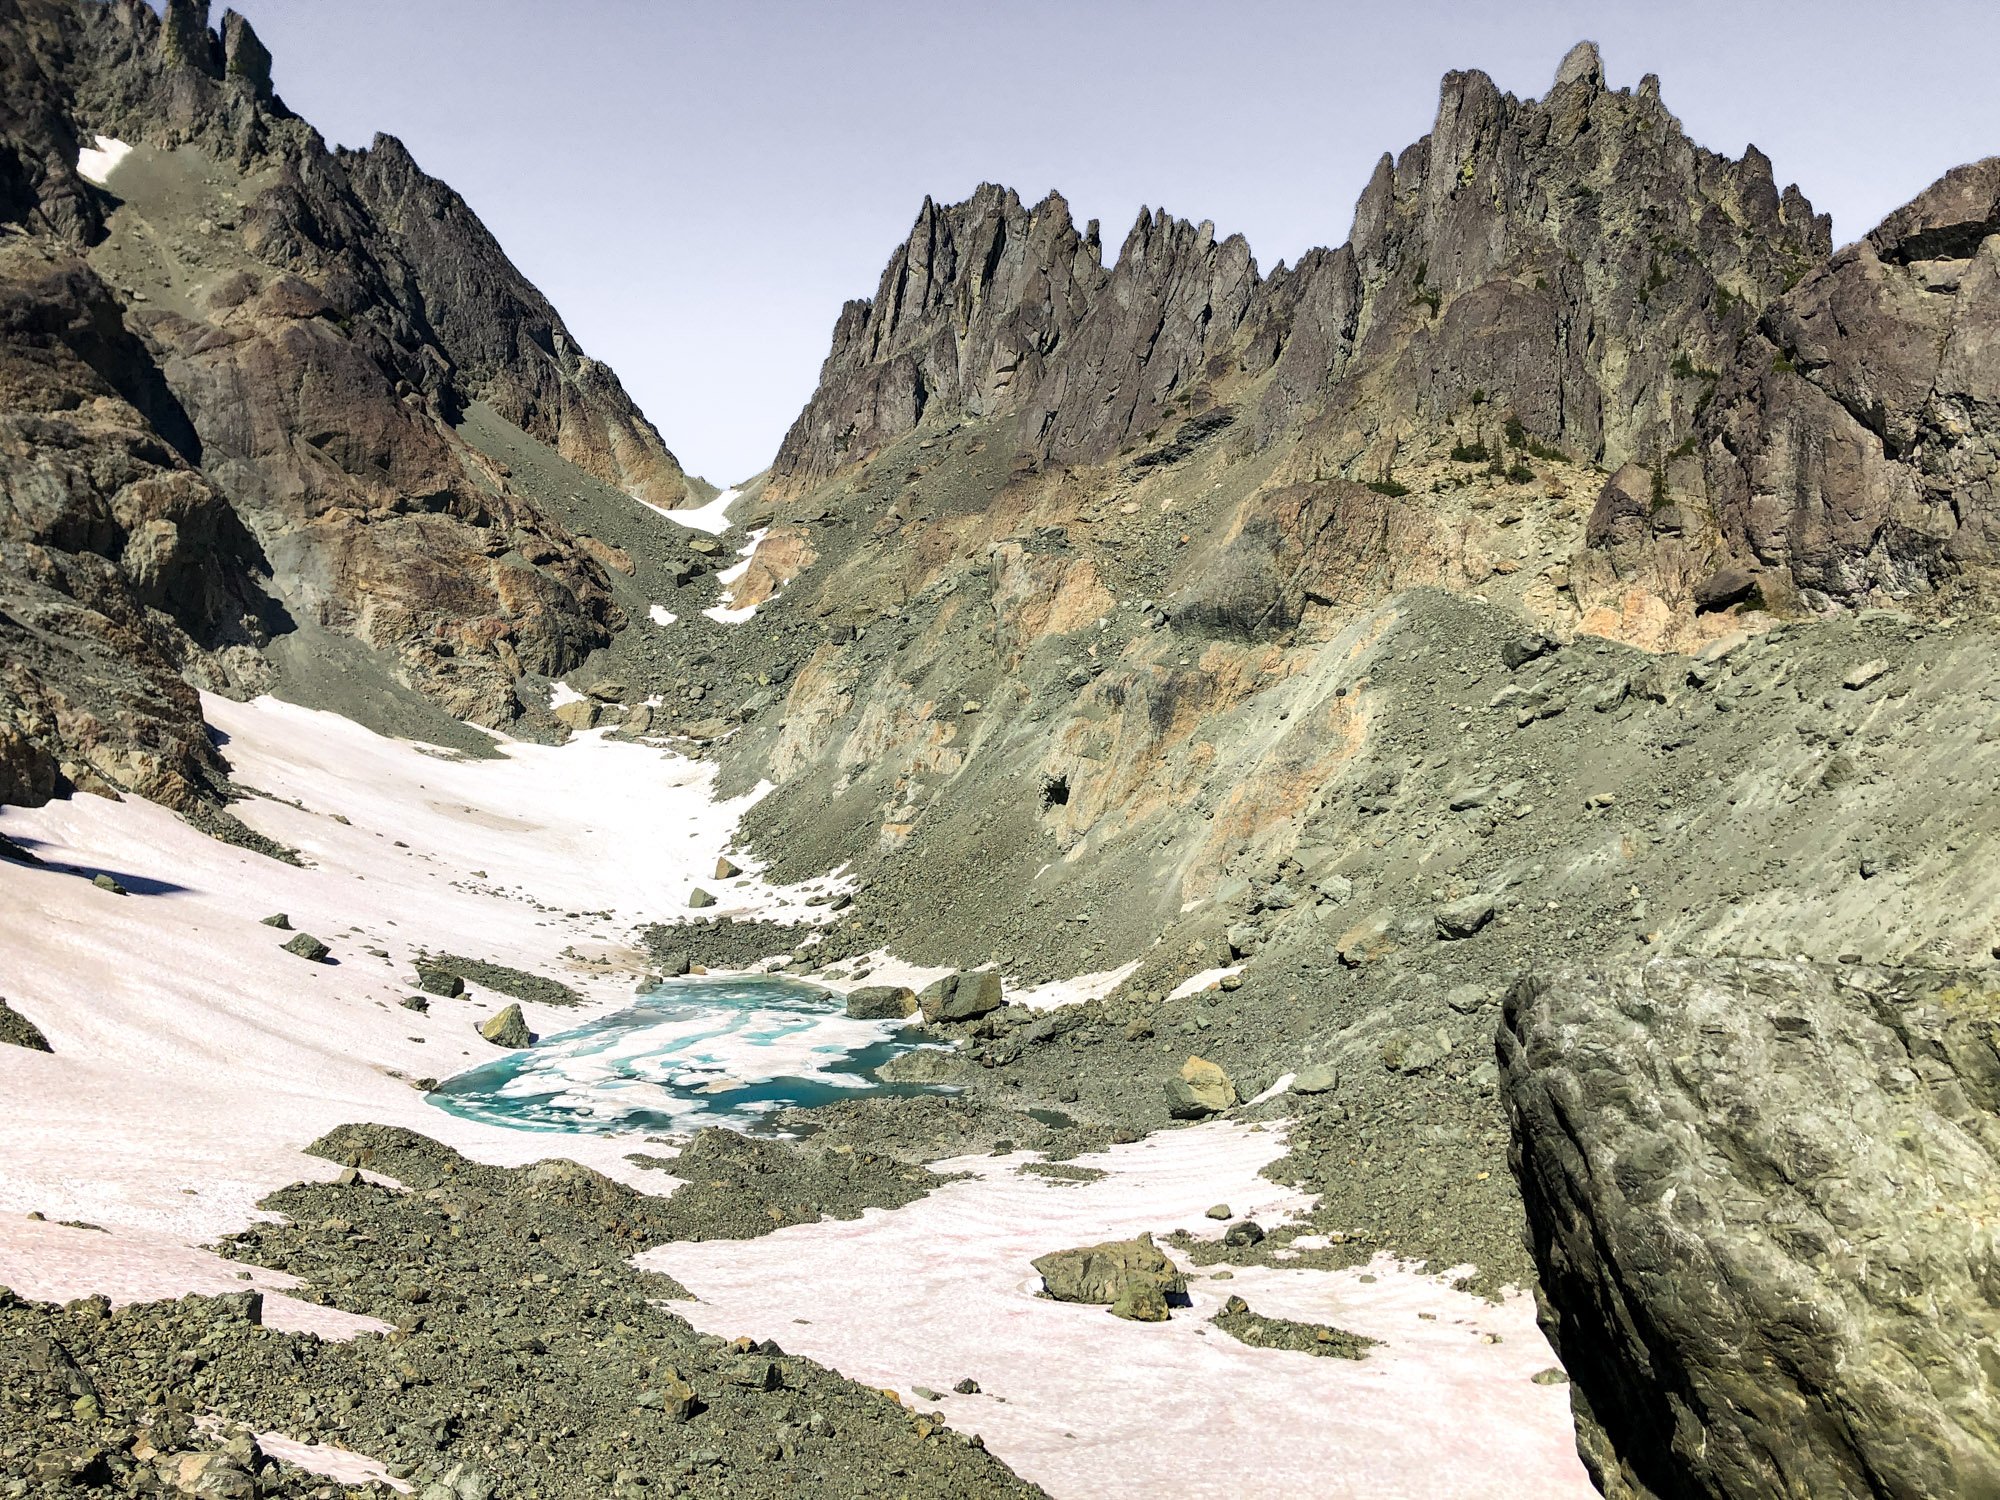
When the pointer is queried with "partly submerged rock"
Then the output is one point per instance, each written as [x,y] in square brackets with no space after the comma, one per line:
[16,1030]
[508,1029]
[308,947]
[924,1065]
[961,997]
[881,1002]
[1101,1273]
[1200,1088]
[1760,1195]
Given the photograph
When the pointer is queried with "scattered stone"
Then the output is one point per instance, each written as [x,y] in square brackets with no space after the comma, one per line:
[1201,1088]
[967,1387]
[308,947]
[1861,676]
[279,920]
[508,1029]
[416,1003]
[1461,919]
[1243,1234]
[881,1002]
[519,984]
[579,713]
[109,883]
[1467,999]
[1245,1326]
[1316,1078]
[699,899]
[727,868]
[1220,1211]
[1403,1053]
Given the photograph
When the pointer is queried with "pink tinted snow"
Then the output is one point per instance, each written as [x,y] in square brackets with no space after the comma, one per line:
[46,1262]
[329,1462]
[194,1058]
[1089,1405]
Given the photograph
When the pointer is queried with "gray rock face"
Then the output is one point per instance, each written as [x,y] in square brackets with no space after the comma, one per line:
[1558,256]
[1852,445]
[1760,1198]
[992,307]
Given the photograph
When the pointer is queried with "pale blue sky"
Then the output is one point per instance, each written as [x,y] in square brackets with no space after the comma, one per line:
[698,187]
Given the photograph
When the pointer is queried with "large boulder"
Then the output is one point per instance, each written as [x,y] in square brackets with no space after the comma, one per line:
[881,1002]
[961,997]
[508,1029]
[1200,1088]
[1101,1274]
[1761,1197]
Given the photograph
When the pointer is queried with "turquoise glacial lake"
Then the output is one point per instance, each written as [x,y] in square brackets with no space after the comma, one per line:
[689,1053]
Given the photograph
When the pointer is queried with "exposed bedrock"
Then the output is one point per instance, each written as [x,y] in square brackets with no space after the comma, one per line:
[1854,444]
[1761,1196]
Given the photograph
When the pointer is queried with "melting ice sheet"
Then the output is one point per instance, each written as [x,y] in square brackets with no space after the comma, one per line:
[689,1053]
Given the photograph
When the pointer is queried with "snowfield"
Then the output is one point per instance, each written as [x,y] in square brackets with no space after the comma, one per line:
[194,1058]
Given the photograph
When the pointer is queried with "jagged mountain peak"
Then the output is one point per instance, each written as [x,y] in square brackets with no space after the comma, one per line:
[1581,64]
[1584,228]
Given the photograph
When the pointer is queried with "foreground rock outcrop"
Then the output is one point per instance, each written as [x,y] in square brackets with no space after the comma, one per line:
[1761,1199]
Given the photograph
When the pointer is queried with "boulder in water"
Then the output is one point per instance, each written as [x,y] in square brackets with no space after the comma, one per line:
[881,1002]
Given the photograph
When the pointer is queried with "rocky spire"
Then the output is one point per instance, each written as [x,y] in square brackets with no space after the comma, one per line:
[244,56]
[1581,64]
[185,40]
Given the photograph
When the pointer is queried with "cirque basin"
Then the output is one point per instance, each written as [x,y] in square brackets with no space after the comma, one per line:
[732,1050]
